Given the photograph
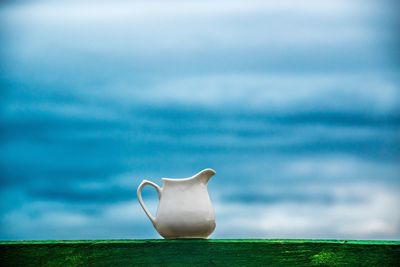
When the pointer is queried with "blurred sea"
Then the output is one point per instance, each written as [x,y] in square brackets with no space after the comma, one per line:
[295,104]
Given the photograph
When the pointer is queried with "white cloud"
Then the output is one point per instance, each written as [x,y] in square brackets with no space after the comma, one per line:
[156,27]
[276,92]
[341,167]
[376,217]
[55,220]
[83,10]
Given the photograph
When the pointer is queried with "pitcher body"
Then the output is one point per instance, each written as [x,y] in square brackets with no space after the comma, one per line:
[185,209]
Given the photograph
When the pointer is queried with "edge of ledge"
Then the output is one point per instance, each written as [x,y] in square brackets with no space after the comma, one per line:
[225,241]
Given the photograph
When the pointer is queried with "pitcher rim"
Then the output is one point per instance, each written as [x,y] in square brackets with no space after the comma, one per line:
[188,178]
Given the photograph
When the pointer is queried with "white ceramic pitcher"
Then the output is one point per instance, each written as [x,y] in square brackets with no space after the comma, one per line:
[185,209]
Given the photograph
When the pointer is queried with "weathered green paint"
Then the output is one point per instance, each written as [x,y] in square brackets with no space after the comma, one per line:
[200,253]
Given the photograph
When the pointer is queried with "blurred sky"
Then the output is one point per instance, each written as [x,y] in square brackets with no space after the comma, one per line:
[295,104]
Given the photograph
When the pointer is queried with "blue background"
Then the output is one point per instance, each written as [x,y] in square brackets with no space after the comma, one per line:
[295,104]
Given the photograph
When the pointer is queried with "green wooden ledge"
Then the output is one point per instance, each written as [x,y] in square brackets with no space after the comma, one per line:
[242,252]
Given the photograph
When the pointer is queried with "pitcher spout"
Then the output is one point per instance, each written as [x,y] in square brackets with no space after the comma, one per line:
[205,175]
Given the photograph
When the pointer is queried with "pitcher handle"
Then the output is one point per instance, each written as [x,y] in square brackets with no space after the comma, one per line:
[139,196]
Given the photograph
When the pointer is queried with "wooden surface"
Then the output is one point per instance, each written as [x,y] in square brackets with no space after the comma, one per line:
[200,253]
